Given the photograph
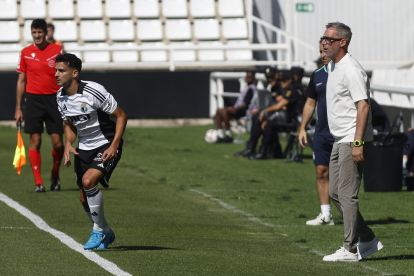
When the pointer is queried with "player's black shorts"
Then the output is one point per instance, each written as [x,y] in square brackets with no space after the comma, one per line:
[92,159]
[322,148]
[39,109]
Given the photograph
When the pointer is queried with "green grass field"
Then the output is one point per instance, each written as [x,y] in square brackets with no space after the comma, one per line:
[165,222]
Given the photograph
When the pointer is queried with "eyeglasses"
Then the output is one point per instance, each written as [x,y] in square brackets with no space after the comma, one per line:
[330,40]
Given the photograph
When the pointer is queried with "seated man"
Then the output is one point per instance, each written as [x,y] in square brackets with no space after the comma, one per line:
[272,76]
[243,106]
[284,112]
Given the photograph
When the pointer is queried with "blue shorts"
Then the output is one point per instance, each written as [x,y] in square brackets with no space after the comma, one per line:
[322,148]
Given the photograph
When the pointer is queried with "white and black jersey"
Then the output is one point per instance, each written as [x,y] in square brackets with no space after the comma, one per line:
[88,110]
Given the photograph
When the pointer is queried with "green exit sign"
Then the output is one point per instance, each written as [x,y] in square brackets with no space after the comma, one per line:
[304,7]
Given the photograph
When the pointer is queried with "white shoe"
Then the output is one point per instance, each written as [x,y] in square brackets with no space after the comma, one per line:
[368,248]
[321,219]
[341,255]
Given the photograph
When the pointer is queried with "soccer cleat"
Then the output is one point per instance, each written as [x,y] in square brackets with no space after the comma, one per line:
[321,219]
[40,189]
[55,184]
[341,255]
[95,240]
[245,153]
[367,248]
[228,139]
[110,237]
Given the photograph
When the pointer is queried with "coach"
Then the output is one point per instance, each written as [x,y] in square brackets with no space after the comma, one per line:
[349,119]
[37,77]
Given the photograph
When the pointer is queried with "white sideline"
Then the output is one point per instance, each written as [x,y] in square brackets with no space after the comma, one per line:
[65,239]
[255,219]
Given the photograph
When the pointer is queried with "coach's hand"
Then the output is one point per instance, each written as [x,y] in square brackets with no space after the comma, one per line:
[358,155]
[303,137]
[109,154]
[18,115]
[68,150]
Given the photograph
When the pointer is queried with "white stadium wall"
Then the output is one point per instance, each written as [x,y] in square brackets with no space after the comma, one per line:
[383,30]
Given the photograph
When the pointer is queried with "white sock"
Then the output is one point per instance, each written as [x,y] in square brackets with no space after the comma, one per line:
[405,159]
[326,210]
[220,133]
[96,206]
[88,213]
[228,133]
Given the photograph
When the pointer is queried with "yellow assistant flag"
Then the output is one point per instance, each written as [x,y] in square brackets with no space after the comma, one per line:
[20,155]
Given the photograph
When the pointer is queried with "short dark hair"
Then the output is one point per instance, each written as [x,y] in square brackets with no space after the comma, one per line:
[342,30]
[50,25]
[39,24]
[70,60]
[251,72]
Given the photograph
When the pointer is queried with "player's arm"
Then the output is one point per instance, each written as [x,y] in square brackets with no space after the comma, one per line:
[21,85]
[121,121]
[307,113]
[70,137]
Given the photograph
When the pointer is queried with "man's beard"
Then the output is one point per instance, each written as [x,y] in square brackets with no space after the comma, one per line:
[333,54]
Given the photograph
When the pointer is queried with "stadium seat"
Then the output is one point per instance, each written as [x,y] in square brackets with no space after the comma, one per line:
[89,9]
[206,29]
[118,8]
[93,30]
[202,8]
[234,55]
[235,28]
[72,47]
[27,31]
[10,58]
[210,55]
[9,31]
[8,9]
[33,9]
[121,30]
[174,8]
[125,56]
[149,30]
[146,8]
[230,8]
[184,55]
[61,9]
[178,29]
[66,30]
[148,55]
[97,56]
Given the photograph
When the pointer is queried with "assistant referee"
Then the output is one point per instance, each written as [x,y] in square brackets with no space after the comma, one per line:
[37,77]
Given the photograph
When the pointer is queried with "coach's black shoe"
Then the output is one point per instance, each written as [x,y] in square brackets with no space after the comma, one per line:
[55,184]
[261,155]
[40,189]
[245,153]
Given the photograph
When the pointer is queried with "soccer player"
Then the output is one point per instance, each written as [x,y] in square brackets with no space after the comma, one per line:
[322,141]
[87,108]
[349,119]
[37,70]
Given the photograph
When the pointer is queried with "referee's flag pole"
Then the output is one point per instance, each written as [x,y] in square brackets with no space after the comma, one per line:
[20,155]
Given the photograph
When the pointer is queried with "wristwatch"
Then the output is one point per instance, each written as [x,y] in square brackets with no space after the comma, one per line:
[358,143]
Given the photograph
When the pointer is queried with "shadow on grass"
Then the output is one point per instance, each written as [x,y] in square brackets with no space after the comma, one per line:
[396,258]
[135,248]
[388,220]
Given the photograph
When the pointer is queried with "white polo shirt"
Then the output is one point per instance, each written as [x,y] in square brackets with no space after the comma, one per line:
[347,84]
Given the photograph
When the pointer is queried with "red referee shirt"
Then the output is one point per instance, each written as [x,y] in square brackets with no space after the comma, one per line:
[39,67]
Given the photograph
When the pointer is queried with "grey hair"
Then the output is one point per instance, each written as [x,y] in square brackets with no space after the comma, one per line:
[342,30]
